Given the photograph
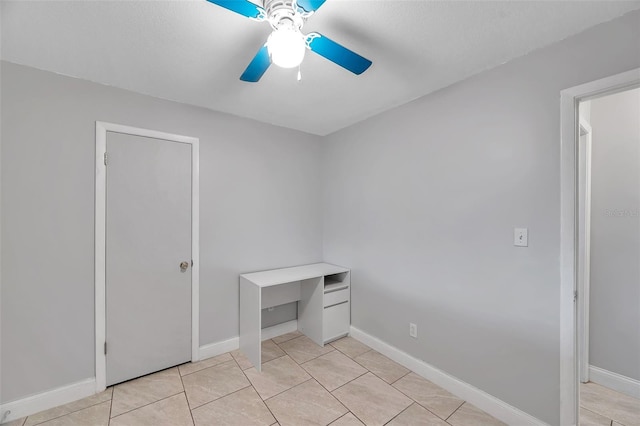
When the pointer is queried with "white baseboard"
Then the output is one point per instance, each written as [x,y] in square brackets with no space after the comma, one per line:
[219,348]
[69,393]
[488,403]
[49,399]
[615,381]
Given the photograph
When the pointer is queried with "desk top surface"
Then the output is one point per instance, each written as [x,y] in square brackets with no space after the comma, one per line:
[297,273]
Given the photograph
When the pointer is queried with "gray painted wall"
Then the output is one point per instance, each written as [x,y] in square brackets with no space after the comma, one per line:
[421,202]
[614,343]
[280,314]
[259,209]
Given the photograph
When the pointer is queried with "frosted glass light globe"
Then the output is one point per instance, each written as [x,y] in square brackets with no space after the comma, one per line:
[286,47]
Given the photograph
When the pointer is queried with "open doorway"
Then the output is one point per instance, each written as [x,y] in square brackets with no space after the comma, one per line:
[608,268]
[577,256]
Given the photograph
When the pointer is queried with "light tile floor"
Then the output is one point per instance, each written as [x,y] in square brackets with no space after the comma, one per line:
[601,406]
[343,384]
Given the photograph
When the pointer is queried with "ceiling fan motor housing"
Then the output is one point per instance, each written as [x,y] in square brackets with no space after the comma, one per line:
[283,12]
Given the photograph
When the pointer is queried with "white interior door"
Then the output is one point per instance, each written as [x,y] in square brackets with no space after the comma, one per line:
[148,237]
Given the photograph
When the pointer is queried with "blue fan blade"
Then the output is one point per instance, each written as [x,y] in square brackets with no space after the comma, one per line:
[258,66]
[310,5]
[338,54]
[243,7]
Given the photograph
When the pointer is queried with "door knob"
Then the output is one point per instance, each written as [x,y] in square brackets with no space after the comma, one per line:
[184,266]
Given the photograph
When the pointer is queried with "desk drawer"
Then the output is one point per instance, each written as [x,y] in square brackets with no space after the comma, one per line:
[335,297]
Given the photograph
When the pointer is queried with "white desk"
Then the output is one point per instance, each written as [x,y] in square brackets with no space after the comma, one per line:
[322,291]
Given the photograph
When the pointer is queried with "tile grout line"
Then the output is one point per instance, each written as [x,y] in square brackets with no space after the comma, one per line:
[113,388]
[145,405]
[421,405]
[321,385]
[329,392]
[184,390]
[356,416]
[341,417]
[391,419]
[298,365]
[601,392]
[391,384]
[220,397]
[311,359]
[599,414]
[352,359]
[409,372]
[280,393]
[234,358]
[352,380]
[455,411]
[294,337]
[350,411]
[258,393]
[345,354]
[202,369]
[273,359]
[371,349]
[66,414]
[395,381]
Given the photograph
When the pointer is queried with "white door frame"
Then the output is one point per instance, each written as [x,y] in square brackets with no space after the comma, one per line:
[569,138]
[100,238]
[584,248]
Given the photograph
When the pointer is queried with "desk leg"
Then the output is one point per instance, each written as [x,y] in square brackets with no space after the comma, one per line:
[250,322]
[310,309]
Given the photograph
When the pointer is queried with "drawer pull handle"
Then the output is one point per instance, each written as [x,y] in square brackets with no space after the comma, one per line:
[336,304]
[336,289]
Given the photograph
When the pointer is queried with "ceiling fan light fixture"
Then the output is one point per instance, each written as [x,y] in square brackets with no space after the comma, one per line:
[286,47]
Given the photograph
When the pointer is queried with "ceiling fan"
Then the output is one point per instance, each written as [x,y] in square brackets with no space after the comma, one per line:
[286,45]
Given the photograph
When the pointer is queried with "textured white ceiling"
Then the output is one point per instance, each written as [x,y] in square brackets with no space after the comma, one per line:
[193,51]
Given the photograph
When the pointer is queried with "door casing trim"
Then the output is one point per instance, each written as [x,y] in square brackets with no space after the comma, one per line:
[569,132]
[100,238]
[584,247]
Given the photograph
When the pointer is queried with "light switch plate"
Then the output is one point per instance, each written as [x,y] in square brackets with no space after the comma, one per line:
[521,237]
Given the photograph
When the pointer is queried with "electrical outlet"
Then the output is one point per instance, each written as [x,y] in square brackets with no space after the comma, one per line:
[413,330]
